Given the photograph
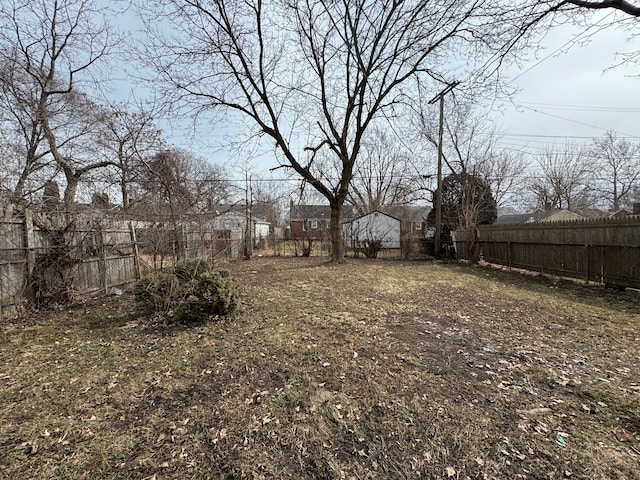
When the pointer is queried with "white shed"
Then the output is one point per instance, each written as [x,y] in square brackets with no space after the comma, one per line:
[260,230]
[373,226]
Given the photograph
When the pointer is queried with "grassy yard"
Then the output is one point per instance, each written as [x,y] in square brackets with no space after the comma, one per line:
[369,370]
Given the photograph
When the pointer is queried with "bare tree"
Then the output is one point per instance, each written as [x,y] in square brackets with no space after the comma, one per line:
[50,47]
[384,176]
[26,152]
[563,178]
[472,147]
[314,75]
[129,136]
[181,184]
[617,163]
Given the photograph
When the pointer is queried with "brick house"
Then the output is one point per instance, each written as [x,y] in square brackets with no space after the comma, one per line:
[413,219]
[311,222]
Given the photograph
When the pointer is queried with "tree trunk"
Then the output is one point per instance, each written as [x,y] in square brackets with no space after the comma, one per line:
[335,232]
[125,192]
[70,190]
[474,246]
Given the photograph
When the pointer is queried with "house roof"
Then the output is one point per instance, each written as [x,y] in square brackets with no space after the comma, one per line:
[375,212]
[555,215]
[623,212]
[316,212]
[514,219]
[407,213]
[591,212]
[539,215]
[259,211]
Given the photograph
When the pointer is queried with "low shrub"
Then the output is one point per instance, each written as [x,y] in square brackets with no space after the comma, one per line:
[193,291]
[191,269]
[159,292]
[211,293]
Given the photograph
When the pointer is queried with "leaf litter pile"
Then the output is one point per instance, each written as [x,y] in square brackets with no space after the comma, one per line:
[369,370]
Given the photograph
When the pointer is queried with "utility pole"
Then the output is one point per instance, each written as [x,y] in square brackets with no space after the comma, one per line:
[440,97]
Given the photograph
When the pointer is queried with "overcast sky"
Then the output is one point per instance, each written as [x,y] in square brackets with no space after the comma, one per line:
[565,93]
[572,93]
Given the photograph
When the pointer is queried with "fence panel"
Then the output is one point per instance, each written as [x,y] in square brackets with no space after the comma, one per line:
[606,251]
[13,265]
[98,255]
[99,252]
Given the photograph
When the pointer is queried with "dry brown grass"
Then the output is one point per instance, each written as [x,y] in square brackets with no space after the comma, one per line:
[373,369]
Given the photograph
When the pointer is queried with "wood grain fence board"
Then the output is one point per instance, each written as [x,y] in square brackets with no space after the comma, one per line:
[606,251]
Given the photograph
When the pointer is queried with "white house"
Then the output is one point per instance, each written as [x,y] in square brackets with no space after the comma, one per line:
[373,226]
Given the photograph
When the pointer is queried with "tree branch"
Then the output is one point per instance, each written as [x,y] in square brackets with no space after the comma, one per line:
[621,5]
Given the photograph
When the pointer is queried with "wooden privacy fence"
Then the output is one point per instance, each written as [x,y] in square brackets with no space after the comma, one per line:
[89,252]
[87,257]
[606,251]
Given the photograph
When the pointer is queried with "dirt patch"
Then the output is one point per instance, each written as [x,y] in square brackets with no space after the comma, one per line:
[368,370]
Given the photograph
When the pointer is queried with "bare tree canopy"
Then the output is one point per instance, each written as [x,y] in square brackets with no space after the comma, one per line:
[181,184]
[472,147]
[385,175]
[129,135]
[562,178]
[314,75]
[47,49]
[616,164]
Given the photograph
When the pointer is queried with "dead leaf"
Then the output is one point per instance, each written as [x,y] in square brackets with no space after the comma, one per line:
[183,423]
[161,438]
[622,435]
[451,472]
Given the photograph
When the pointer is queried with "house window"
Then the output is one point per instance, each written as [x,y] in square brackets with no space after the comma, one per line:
[418,225]
[314,224]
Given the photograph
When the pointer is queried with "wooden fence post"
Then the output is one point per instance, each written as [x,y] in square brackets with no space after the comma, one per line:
[29,238]
[136,253]
[586,263]
[103,259]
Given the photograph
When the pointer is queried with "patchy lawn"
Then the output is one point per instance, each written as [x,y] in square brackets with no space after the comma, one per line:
[369,370]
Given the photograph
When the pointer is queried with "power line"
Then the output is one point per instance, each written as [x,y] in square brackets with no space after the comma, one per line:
[577,122]
[573,41]
[582,108]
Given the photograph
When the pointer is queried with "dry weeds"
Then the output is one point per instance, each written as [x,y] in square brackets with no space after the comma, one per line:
[369,370]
